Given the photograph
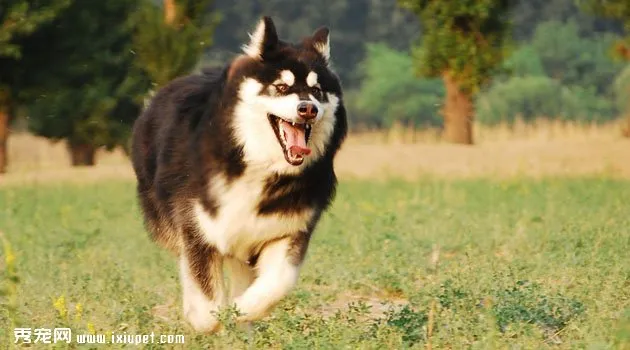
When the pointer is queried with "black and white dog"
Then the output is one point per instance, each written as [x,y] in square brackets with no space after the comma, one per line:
[235,167]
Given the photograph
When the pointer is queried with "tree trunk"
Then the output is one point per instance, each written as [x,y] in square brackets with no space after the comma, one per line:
[458,113]
[82,154]
[169,11]
[626,130]
[5,111]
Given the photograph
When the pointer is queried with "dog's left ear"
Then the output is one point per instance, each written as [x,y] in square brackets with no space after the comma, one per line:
[321,42]
[262,40]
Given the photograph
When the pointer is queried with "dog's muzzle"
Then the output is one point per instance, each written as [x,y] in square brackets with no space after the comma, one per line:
[307,110]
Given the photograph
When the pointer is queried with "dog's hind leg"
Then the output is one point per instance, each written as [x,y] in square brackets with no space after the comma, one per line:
[241,276]
[201,274]
[157,224]
[278,268]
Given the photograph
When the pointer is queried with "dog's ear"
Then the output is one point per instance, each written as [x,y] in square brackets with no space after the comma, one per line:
[262,40]
[321,42]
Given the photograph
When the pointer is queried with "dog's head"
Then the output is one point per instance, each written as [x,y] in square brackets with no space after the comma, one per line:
[288,98]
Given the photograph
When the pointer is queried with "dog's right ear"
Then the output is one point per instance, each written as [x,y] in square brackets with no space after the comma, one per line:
[262,40]
[321,42]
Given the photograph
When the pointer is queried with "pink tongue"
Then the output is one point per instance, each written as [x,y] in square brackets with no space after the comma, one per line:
[296,141]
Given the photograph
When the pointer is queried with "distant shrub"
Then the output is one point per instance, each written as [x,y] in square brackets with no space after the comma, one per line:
[531,97]
[575,59]
[525,61]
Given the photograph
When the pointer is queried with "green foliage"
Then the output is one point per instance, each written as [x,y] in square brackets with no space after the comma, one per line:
[615,9]
[575,60]
[20,18]
[527,15]
[528,97]
[389,93]
[565,75]
[466,39]
[524,61]
[94,92]
[106,56]
[411,323]
[526,302]
[519,302]
[586,105]
[98,114]
[621,87]
[166,51]
[352,24]
[450,294]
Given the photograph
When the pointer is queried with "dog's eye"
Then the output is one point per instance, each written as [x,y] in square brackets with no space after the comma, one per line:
[316,91]
[282,87]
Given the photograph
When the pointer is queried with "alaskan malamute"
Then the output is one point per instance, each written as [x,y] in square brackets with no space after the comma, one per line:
[235,167]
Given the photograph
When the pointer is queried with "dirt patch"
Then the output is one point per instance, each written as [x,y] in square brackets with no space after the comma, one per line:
[377,307]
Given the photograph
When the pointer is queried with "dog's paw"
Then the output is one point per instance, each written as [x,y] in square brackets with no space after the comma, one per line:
[202,321]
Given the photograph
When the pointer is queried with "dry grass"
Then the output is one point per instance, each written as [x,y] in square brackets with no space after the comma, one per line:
[540,149]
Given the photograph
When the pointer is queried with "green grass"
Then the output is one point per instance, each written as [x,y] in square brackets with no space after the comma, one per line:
[520,264]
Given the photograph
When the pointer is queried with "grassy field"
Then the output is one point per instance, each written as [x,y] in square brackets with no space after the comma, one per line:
[482,264]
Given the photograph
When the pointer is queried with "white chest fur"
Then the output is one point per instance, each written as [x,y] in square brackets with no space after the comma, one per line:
[237,228]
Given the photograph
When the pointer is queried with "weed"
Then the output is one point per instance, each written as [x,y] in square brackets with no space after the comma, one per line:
[526,302]
[412,324]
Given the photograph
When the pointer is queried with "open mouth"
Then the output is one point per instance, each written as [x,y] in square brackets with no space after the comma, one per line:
[293,138]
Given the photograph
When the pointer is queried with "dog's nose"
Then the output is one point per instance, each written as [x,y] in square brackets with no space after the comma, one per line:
[307,110]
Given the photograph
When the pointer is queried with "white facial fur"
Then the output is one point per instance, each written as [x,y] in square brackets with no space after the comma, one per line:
[253,130]
[311,79]
[287,77]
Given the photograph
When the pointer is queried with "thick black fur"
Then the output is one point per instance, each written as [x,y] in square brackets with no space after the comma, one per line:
[185,137]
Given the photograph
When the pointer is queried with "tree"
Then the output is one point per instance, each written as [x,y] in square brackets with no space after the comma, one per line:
[463,42]
[97,114]
[389,94]
[355,23]
[527,15]
[574,59]
[169,42]
[94,92]
[113,53]
[619,10]
[614,9]
[18,19]
[621,86]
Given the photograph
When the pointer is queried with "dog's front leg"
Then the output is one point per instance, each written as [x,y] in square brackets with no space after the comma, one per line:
[201,276]
[278,268]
